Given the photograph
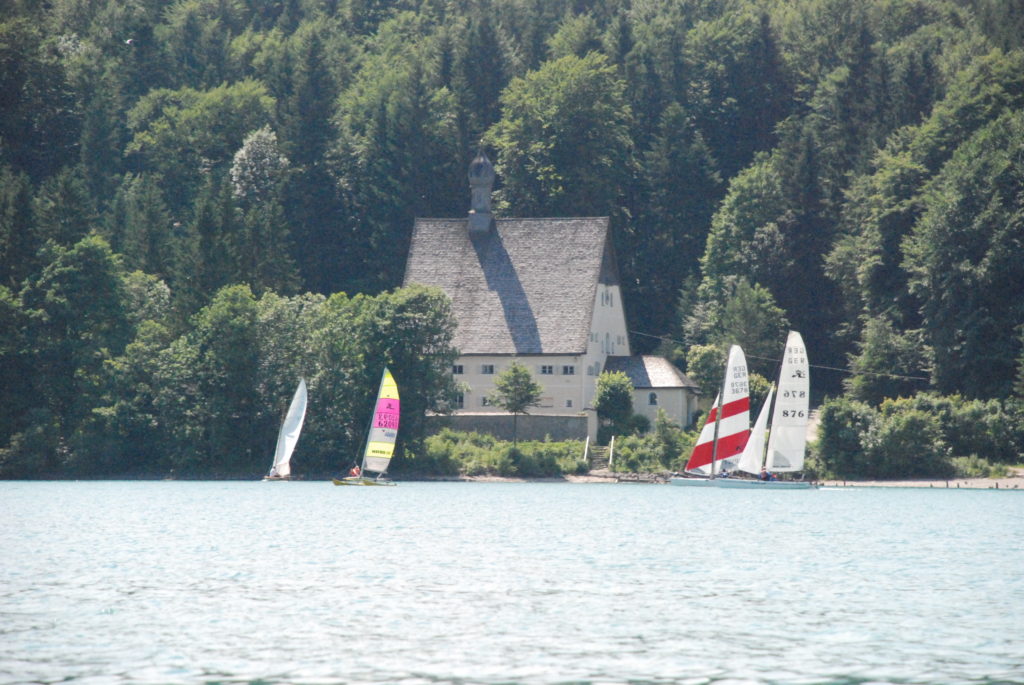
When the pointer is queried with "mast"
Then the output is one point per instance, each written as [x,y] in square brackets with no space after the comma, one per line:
[369,427]
[718,421]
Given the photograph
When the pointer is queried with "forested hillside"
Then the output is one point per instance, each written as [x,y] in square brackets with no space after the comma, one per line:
[201,200]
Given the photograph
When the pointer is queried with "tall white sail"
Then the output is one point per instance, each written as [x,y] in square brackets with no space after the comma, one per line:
[288,436]
[788,438]
[752,458]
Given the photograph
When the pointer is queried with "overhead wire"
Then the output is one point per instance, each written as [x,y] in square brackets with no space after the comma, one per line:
[813,366]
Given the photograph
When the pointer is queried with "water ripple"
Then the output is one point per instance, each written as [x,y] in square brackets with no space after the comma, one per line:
[507,583]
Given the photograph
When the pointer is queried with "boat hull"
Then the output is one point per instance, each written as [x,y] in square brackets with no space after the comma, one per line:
[743,483]
[359,480]
[765,484]
[693,482]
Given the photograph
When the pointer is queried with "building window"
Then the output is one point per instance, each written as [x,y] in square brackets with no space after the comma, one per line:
[460,401]
[457,369]
[484,401]
[547,369]
[568,403]
[652,399]
[487,369]
[568,370]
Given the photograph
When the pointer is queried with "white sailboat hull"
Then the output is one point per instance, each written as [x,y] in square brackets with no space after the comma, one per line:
[764,484]
[693,482]
[744,483]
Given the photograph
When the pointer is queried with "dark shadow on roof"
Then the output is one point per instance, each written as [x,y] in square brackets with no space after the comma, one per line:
[502,278]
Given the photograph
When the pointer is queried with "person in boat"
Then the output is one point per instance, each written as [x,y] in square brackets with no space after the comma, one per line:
[766,475]
[354,471]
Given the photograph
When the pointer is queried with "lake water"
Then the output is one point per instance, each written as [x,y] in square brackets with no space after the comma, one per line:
[304,582]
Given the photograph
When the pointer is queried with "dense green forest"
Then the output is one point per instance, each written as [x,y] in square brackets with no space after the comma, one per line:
[202,200]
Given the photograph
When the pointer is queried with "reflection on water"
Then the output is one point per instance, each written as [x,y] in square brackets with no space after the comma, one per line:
[165,582]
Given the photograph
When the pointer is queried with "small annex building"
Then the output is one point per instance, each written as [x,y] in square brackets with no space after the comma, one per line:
[658,384]
[541,291]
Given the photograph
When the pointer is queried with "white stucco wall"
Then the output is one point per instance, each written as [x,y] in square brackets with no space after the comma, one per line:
[564,393]
[678,403]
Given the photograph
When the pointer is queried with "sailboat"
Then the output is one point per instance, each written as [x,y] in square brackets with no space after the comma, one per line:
[288,435]
[380,438]
[787,432]
[725,432]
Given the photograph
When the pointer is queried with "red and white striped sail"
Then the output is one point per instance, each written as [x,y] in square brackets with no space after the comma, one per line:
[734,426]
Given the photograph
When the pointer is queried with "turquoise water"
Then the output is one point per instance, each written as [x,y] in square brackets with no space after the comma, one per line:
[304,582]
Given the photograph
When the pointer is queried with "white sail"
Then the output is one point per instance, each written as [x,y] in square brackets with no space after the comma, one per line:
[752,458]
[788,438]
[288,436]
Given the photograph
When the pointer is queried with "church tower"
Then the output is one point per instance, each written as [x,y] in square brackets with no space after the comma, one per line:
[481,183]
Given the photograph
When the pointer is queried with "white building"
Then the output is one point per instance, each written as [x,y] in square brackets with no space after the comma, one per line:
[658,384]
[544,292]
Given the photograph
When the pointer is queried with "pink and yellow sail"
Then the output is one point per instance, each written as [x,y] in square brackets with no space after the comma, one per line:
[380,443]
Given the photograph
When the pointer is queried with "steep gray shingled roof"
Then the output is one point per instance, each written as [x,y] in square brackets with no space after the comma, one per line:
[646,371]
[527,286]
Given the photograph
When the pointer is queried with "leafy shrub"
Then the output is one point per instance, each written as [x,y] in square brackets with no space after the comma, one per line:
[976,467]
[906,443]
[842,426]
[550,458]
[644,454]
[479,454]
[975,427]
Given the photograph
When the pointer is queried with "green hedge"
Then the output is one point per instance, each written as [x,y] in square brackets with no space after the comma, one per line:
[451,452]
[926,436]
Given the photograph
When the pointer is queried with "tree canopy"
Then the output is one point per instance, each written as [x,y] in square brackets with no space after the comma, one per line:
[847,168]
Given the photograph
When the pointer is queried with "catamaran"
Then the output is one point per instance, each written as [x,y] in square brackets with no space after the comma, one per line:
[288,435]
[380,438]
[787,432]
[725,432]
